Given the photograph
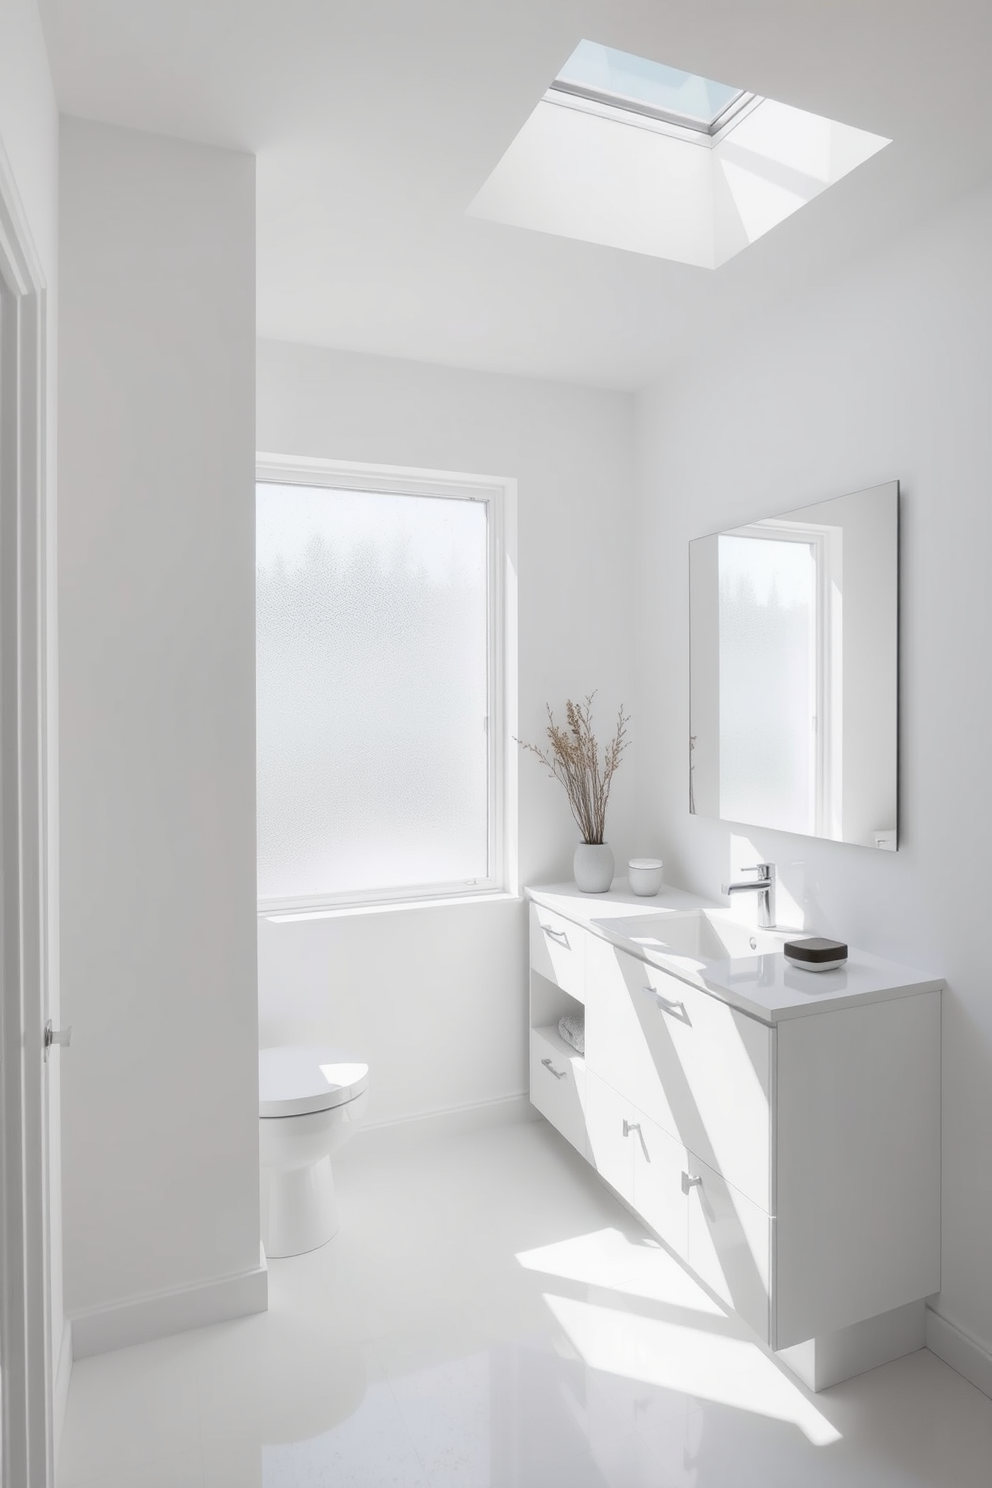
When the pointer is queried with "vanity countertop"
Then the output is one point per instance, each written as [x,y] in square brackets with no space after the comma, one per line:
[766,986]
[565,899]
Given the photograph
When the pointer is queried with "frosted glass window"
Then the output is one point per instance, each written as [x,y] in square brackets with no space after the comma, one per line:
[768,682]
[373,692]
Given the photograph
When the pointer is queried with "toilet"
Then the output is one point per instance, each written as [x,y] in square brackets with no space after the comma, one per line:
[310,1102]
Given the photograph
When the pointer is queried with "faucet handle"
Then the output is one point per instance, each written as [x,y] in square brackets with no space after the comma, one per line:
[766,876]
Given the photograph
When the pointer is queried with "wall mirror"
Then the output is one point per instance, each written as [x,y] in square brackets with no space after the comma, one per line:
[793,670]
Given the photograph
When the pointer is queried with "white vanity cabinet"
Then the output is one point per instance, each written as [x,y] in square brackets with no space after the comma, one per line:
[792,1160]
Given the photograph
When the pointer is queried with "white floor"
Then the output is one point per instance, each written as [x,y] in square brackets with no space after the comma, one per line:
[489,1317]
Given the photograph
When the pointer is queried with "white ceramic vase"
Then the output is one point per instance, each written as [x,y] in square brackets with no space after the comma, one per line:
[592,867]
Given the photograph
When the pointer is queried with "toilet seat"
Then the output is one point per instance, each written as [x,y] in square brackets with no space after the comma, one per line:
[294,1079]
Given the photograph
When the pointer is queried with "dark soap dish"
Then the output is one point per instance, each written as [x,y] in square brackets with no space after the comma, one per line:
[815,954]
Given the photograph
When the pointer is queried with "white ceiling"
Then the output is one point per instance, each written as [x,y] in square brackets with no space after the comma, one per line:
[375,122]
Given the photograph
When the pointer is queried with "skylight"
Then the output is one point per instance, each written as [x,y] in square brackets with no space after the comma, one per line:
[604,75]
[632,154]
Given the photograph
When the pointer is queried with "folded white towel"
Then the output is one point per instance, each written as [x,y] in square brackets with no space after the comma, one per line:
[573,1030]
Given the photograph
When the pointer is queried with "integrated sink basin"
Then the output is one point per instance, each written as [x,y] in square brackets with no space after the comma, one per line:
[699,934]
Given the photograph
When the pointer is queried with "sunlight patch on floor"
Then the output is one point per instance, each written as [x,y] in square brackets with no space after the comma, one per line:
[672,1356]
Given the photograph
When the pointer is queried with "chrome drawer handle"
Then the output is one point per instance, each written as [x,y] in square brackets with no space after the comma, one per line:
[629,1126]
[667,1004]
[558,1074]
[689,1183]
[557,935]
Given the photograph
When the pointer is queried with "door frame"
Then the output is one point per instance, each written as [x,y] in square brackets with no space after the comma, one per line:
[26,1386]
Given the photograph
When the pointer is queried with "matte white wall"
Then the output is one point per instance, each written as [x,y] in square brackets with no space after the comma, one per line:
[886,372]
[157,632]
[435,998]
[29,137]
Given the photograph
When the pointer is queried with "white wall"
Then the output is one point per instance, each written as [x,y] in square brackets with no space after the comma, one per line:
[29,136]
[886,372]
[435,998]
[157,635]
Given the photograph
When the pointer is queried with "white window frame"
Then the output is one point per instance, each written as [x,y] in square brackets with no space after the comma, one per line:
[498,494]
[659,121]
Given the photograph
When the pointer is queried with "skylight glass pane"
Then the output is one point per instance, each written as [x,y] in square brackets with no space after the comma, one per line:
[639,83]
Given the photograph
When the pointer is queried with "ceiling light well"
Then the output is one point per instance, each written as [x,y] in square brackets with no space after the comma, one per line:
[620,163]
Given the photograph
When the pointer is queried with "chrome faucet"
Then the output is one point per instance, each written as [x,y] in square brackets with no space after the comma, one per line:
[764,887]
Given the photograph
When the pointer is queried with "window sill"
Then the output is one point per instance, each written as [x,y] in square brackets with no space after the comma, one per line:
[350,911]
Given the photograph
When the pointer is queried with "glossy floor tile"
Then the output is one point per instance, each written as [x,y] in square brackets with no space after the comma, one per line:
[489,1317]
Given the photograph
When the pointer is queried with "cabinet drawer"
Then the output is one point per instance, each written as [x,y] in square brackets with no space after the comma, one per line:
[698,1067]
[557,950]
[557,1085]
[730,1245]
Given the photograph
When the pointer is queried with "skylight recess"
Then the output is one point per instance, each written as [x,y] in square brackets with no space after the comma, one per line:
[604,75]
[632,154]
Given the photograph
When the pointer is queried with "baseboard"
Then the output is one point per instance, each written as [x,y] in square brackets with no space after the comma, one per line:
[158,1314]
[60,1392]
[960,1351]
[452,1121]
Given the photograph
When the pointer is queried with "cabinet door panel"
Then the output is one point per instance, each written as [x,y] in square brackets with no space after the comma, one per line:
[611,1141]
[697,1066]
[730,1245]
[557,950]
[659,1162]
[858,1153]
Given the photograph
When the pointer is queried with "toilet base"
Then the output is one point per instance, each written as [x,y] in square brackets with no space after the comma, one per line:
[299,1208]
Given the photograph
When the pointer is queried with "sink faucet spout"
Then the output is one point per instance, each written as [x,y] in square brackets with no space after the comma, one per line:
[763,886]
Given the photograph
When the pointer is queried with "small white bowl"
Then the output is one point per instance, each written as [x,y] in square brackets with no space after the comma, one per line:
[645,876]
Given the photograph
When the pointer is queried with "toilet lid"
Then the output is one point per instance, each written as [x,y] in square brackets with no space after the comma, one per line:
[296,1078]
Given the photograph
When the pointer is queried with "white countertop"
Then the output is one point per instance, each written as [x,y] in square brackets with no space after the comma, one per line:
[766,986]
[583,908]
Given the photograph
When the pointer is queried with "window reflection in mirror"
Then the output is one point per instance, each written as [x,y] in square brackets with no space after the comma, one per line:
[793,670]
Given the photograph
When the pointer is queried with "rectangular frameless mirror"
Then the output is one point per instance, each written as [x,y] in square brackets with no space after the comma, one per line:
[793,670]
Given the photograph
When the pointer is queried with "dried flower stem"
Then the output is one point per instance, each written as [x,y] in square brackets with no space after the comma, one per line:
[574,760]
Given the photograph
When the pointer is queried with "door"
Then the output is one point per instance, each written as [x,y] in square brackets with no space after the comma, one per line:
[26,1385]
